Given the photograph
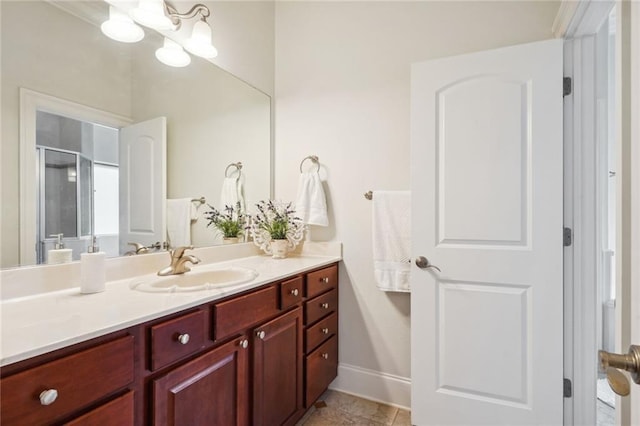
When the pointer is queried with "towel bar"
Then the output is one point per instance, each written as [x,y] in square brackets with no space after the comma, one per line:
[200,200]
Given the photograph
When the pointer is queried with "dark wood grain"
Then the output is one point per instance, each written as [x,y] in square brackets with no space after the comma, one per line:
[320,370]
[165,347]
[277,370]
[212,389]
[236,315]
[320,332]
[80,379]
[321,280]
[320,307]
[291,292]
[119,412]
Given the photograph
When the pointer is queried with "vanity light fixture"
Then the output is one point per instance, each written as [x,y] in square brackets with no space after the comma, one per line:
[160,15]
[172,54]
[120,27]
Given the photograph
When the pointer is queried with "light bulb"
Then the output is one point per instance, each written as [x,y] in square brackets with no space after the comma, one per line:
[121,27]
[172,54]
[150,13]
[200,41]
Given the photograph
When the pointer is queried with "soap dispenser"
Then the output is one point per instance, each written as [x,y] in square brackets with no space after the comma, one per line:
[59,254]
[93,275]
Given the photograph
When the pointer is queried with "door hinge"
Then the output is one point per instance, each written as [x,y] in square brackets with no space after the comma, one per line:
[567,237]
[566,86]
[566,388]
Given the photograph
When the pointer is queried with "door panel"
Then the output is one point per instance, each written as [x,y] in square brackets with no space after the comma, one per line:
[487,184]
[143,184]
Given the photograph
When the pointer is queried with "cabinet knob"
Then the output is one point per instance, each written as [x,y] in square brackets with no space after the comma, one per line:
[325,331]
[325,355]
[261,334]
[48,397]
[295,292]
[324,306]
[325,280]
[183,338]
[244,343]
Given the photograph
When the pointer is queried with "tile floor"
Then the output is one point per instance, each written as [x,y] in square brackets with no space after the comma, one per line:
[337,408]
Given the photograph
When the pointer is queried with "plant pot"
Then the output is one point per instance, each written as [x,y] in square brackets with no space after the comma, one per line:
[230,240]
[279,248]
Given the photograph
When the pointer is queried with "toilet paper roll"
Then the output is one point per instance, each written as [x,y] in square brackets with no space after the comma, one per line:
[92,272]
[57,256]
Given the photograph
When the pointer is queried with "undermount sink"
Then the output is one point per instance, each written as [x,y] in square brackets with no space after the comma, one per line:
[195,280]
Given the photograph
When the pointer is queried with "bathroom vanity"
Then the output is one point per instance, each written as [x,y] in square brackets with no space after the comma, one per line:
[260,355]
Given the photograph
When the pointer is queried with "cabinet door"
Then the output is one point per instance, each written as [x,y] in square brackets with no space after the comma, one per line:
[210,390]
[277,367]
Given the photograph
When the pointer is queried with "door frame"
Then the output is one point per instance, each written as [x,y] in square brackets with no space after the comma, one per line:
[578,23]
[31,102]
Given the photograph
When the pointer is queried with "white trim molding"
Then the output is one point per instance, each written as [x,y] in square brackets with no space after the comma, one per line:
[576,18]
[373,385]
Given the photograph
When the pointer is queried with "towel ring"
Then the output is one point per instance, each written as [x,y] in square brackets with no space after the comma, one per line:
[313,158]
[238,169]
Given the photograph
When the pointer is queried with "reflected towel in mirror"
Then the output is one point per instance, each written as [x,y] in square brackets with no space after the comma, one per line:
[180,213]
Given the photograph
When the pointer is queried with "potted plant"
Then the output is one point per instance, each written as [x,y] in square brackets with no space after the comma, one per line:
[230,224]
[275,228]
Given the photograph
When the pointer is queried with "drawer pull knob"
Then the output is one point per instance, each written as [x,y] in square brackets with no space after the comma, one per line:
[325,331]
[325,280]
[261,334]
[244,343]
[325,355]
[295,292]
[48,397]
[324,306]
[183,338]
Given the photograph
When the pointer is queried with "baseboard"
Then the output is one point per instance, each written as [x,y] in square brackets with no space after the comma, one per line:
[374,385]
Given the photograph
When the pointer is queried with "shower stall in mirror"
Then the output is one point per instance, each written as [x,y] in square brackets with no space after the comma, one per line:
[77,184]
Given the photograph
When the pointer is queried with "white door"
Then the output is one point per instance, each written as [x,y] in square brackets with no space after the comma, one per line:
[486,180]
[143,184]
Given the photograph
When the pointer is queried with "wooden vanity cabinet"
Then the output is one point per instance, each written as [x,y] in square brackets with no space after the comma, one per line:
[212,389]
[257,358]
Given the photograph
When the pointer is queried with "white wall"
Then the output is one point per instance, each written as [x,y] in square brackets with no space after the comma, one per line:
[342,93]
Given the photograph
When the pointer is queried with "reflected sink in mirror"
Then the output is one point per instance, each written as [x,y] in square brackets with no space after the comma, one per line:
[195,280]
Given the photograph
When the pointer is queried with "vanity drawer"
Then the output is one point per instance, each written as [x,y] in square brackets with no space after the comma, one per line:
[322,368]
[320,332]
[78,379]
[322,280]
[118,412]
[290,292]
[177,338]
[238,314]
[320,306]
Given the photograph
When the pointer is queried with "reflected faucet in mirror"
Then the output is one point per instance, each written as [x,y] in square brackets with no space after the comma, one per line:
[141,248]
[179,262]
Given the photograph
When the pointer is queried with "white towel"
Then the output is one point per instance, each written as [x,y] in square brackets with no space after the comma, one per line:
[392,240]
[232,193]
[311,204]
[180,213]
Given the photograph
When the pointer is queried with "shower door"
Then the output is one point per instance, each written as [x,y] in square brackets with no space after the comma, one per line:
[64,200]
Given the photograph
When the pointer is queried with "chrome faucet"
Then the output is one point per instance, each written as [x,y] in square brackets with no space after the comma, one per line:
[179,262]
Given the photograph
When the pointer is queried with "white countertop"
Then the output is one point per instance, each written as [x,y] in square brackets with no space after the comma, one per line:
[37,324]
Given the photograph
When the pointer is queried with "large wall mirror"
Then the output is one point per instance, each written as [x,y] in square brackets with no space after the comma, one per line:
[67,94]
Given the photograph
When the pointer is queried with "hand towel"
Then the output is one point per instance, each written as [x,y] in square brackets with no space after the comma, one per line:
[311,204]
[179,214]
[232,193]
[392,240]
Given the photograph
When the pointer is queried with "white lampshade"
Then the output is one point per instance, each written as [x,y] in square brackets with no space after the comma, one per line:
[121,27]
[200,41]
[150,13]
[172,54]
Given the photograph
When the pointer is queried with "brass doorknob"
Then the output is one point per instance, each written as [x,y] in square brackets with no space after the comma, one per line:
[610,363]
